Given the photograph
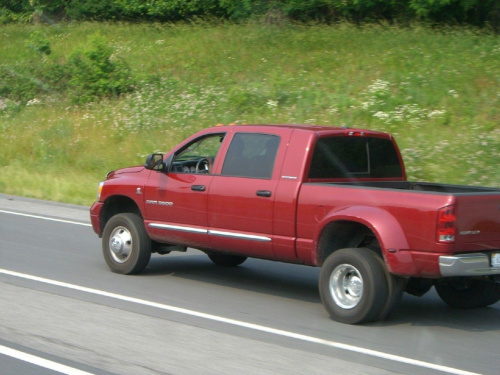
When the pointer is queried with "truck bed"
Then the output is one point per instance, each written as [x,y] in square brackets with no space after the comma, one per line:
[416,206]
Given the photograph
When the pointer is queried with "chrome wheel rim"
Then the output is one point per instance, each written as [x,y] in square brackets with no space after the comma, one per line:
[120,244]
[346,286]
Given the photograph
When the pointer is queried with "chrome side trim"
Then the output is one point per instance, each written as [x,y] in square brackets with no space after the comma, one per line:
[239,235]
[178,227]
[467,265]
[211,232]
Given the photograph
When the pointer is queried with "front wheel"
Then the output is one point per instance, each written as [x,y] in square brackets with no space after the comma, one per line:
[353,285]
[468,293]
[125,244]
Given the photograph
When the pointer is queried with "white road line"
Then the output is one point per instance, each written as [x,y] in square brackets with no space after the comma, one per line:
[63,369]
[238,323]
[46,218]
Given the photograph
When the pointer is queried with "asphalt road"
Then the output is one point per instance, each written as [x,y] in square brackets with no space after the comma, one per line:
[63,311]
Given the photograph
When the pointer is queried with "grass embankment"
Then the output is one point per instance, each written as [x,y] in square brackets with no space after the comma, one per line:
[437,91]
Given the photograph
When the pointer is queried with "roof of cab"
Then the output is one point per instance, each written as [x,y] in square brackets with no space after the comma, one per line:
[306,127]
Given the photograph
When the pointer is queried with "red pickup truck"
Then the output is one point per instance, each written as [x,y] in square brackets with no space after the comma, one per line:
[335,198]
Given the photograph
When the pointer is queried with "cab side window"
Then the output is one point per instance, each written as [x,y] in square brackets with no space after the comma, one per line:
[251,155]
[199,155]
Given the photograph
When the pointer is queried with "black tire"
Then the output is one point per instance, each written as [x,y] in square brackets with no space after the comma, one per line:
[125,244]
[468,293]
[396,286]
[227,260]
[353,285]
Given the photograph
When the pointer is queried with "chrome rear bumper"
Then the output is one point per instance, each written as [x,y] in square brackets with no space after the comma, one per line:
[467,265]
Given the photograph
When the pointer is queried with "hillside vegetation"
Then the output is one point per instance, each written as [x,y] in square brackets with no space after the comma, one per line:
[480,13]
[78,100]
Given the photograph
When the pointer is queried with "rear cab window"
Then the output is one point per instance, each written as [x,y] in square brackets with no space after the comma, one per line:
[348,157]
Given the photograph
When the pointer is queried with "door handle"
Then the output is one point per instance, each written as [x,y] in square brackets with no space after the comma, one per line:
[198,187]
[264,193]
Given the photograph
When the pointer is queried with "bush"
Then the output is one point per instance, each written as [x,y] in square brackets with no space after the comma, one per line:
[475,12]
[14,11]
[8,16]
[96,74]
[39,43]
[89,74]
[246,101]
[26,82]
[94,10]
[36,76]
[171,10]
[451,11]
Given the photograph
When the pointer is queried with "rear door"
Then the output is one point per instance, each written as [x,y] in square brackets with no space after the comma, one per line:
[242,196]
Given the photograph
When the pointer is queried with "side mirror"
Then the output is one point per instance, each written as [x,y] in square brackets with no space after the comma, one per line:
[154,162]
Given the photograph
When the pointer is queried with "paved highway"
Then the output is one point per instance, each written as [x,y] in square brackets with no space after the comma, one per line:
[63,311]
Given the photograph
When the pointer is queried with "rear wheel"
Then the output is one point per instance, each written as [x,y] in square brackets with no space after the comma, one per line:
[227,260]
[468,293]
[353,285]
[125,244]
[396,286]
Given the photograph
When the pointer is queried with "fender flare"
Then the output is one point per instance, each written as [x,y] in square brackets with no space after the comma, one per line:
[109,205]
[383,224]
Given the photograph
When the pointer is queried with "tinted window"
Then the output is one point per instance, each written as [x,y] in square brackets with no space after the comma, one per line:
[251,155]
[354,157]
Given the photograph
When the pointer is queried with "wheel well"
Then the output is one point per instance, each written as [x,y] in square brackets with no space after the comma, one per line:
[345,234]
[117,205]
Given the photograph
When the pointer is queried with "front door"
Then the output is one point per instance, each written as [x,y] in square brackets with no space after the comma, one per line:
[176,202]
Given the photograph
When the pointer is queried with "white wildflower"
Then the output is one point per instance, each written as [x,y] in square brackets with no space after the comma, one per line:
[436,113]
[381,115]
[34,101]
[378,87]
[272,104]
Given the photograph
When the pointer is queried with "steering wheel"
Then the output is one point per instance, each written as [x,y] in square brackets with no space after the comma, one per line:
[202,165]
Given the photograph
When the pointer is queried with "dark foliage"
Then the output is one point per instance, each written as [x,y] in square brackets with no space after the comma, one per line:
[482,13]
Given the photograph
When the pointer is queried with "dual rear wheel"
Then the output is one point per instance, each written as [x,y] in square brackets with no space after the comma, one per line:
[355,286]
[467,292]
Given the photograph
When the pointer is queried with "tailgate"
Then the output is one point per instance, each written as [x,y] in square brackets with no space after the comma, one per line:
[478,219]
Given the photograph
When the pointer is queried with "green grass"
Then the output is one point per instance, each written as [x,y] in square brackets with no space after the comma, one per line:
[438,91]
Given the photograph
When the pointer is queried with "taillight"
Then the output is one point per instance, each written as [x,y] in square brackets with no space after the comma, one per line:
[446,225]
